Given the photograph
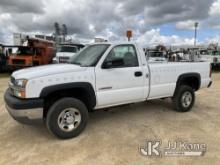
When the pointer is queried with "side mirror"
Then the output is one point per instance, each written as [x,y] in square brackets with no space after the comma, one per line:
[113,63]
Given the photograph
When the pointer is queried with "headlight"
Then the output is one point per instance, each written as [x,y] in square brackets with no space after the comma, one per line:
[21,83]
[18,88]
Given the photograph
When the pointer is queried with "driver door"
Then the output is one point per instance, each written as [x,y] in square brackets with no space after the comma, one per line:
[122,83]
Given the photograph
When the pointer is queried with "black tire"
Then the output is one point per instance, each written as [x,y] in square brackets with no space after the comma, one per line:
[181,104]
[59,107]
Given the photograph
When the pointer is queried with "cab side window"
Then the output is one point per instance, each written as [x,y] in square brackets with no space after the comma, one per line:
[126,53]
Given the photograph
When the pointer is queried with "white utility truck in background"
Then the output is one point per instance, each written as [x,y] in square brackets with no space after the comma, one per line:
[65,52]
[156,56]
[212,56]
[101,75]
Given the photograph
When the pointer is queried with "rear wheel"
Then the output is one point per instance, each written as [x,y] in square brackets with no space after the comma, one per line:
[67,118]
[184,99]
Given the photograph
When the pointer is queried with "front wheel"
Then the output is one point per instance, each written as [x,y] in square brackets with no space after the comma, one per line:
[67,118]
[184,99]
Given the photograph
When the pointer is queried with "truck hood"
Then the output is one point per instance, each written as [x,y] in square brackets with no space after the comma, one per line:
[46,70]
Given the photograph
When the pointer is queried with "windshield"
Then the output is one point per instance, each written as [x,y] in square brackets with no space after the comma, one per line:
[25,51]
[67,49]
[90,55]
[28,51]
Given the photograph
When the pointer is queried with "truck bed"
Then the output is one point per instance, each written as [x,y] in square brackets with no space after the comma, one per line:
[164,76]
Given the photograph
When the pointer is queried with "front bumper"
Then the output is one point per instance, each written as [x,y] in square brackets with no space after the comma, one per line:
[25,111]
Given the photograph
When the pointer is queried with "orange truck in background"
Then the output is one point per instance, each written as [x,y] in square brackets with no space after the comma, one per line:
[35,52]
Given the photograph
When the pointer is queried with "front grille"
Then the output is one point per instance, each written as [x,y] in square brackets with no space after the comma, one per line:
[18,62]
[63,59]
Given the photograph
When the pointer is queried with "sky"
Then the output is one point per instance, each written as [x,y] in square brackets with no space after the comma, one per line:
[153,22]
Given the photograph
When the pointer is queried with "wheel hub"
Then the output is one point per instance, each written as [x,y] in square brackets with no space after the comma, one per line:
[69,119]
[186,99]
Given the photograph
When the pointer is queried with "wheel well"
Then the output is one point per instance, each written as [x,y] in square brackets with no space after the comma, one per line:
[78,93]
[192,80]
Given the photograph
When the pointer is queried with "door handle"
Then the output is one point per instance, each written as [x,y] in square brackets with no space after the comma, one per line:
[138,74]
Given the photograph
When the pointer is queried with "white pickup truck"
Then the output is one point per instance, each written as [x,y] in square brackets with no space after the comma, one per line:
[65,52]
[101,75]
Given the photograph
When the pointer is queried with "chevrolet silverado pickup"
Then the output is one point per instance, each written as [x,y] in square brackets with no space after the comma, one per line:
[101,75]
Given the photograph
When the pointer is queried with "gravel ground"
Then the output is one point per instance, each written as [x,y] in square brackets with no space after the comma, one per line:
[114,136]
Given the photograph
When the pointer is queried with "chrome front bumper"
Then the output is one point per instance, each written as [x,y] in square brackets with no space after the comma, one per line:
[27,116]
[26,111]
